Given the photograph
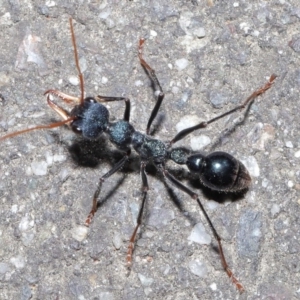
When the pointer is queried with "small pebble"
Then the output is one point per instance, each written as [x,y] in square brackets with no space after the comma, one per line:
[74,80]
[289,144]
[297,154]
[199,32]
[212,204]
[145,281]
[198,268]
[251,165]
[104,80]
[147,291]
[138,83]
[275,209]
[187,121]
[25,224]
[199,235]
[117,240]
[79,233]
[199,142]
[50,3]
[106,296]
[59,157]
[181,64]
[18,261]
[290,184]
[153,33]
[39,168]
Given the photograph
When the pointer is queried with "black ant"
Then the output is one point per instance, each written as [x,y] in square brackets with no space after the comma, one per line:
[218,170]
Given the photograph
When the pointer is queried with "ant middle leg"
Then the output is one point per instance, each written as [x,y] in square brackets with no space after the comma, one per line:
[110,99]
[140,215]
[183,133]
[157,88]
[194,196]
[119,165]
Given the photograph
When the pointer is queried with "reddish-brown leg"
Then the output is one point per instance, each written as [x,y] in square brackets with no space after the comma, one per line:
[194,196]
[140,215]
[119,165]
[157,88]
[180,135]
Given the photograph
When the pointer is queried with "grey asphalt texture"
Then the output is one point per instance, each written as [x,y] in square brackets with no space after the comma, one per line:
[208,57]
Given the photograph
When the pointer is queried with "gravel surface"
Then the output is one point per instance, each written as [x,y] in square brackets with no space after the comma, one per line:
[208,58]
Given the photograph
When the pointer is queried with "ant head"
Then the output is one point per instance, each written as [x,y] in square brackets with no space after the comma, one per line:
[91,118]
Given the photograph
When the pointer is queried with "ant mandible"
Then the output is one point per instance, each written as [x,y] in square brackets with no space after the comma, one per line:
[218,170]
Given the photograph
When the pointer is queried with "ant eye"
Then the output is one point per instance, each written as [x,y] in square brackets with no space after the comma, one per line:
[77,129]
[90,100]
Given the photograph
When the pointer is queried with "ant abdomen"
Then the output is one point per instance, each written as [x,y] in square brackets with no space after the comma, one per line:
[219,171]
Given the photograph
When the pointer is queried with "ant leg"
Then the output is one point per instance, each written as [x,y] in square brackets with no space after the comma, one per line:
[110,99]
[119,165]
[139,218]
[194,196]
[158,92]
[247,102]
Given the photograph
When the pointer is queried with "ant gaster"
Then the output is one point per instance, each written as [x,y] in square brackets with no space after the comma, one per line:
[219,170]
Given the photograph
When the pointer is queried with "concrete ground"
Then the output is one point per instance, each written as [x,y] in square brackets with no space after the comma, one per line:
[208,58]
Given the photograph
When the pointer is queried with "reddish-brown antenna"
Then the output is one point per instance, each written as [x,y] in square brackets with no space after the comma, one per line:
[77,62]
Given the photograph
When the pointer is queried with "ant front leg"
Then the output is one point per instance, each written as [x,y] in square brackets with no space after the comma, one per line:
[103,99]
[194,196]
[140,215]
[157,88]
[119,165]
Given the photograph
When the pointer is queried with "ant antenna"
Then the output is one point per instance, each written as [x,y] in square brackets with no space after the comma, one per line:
[49,126]
[80,75]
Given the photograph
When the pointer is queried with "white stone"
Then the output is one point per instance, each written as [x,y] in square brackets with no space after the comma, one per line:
[275,209]
[145,281]
[251,165]
[290,184]
[181,64]
[79,233]
[297,154]
[39,168]
[187,121]
[14,208]
[18,261]
[199,142]
[138,83]
[199,235]
[117,240]
[153,33]
[199,32]
[74,80]
[104,80]
[198,268]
